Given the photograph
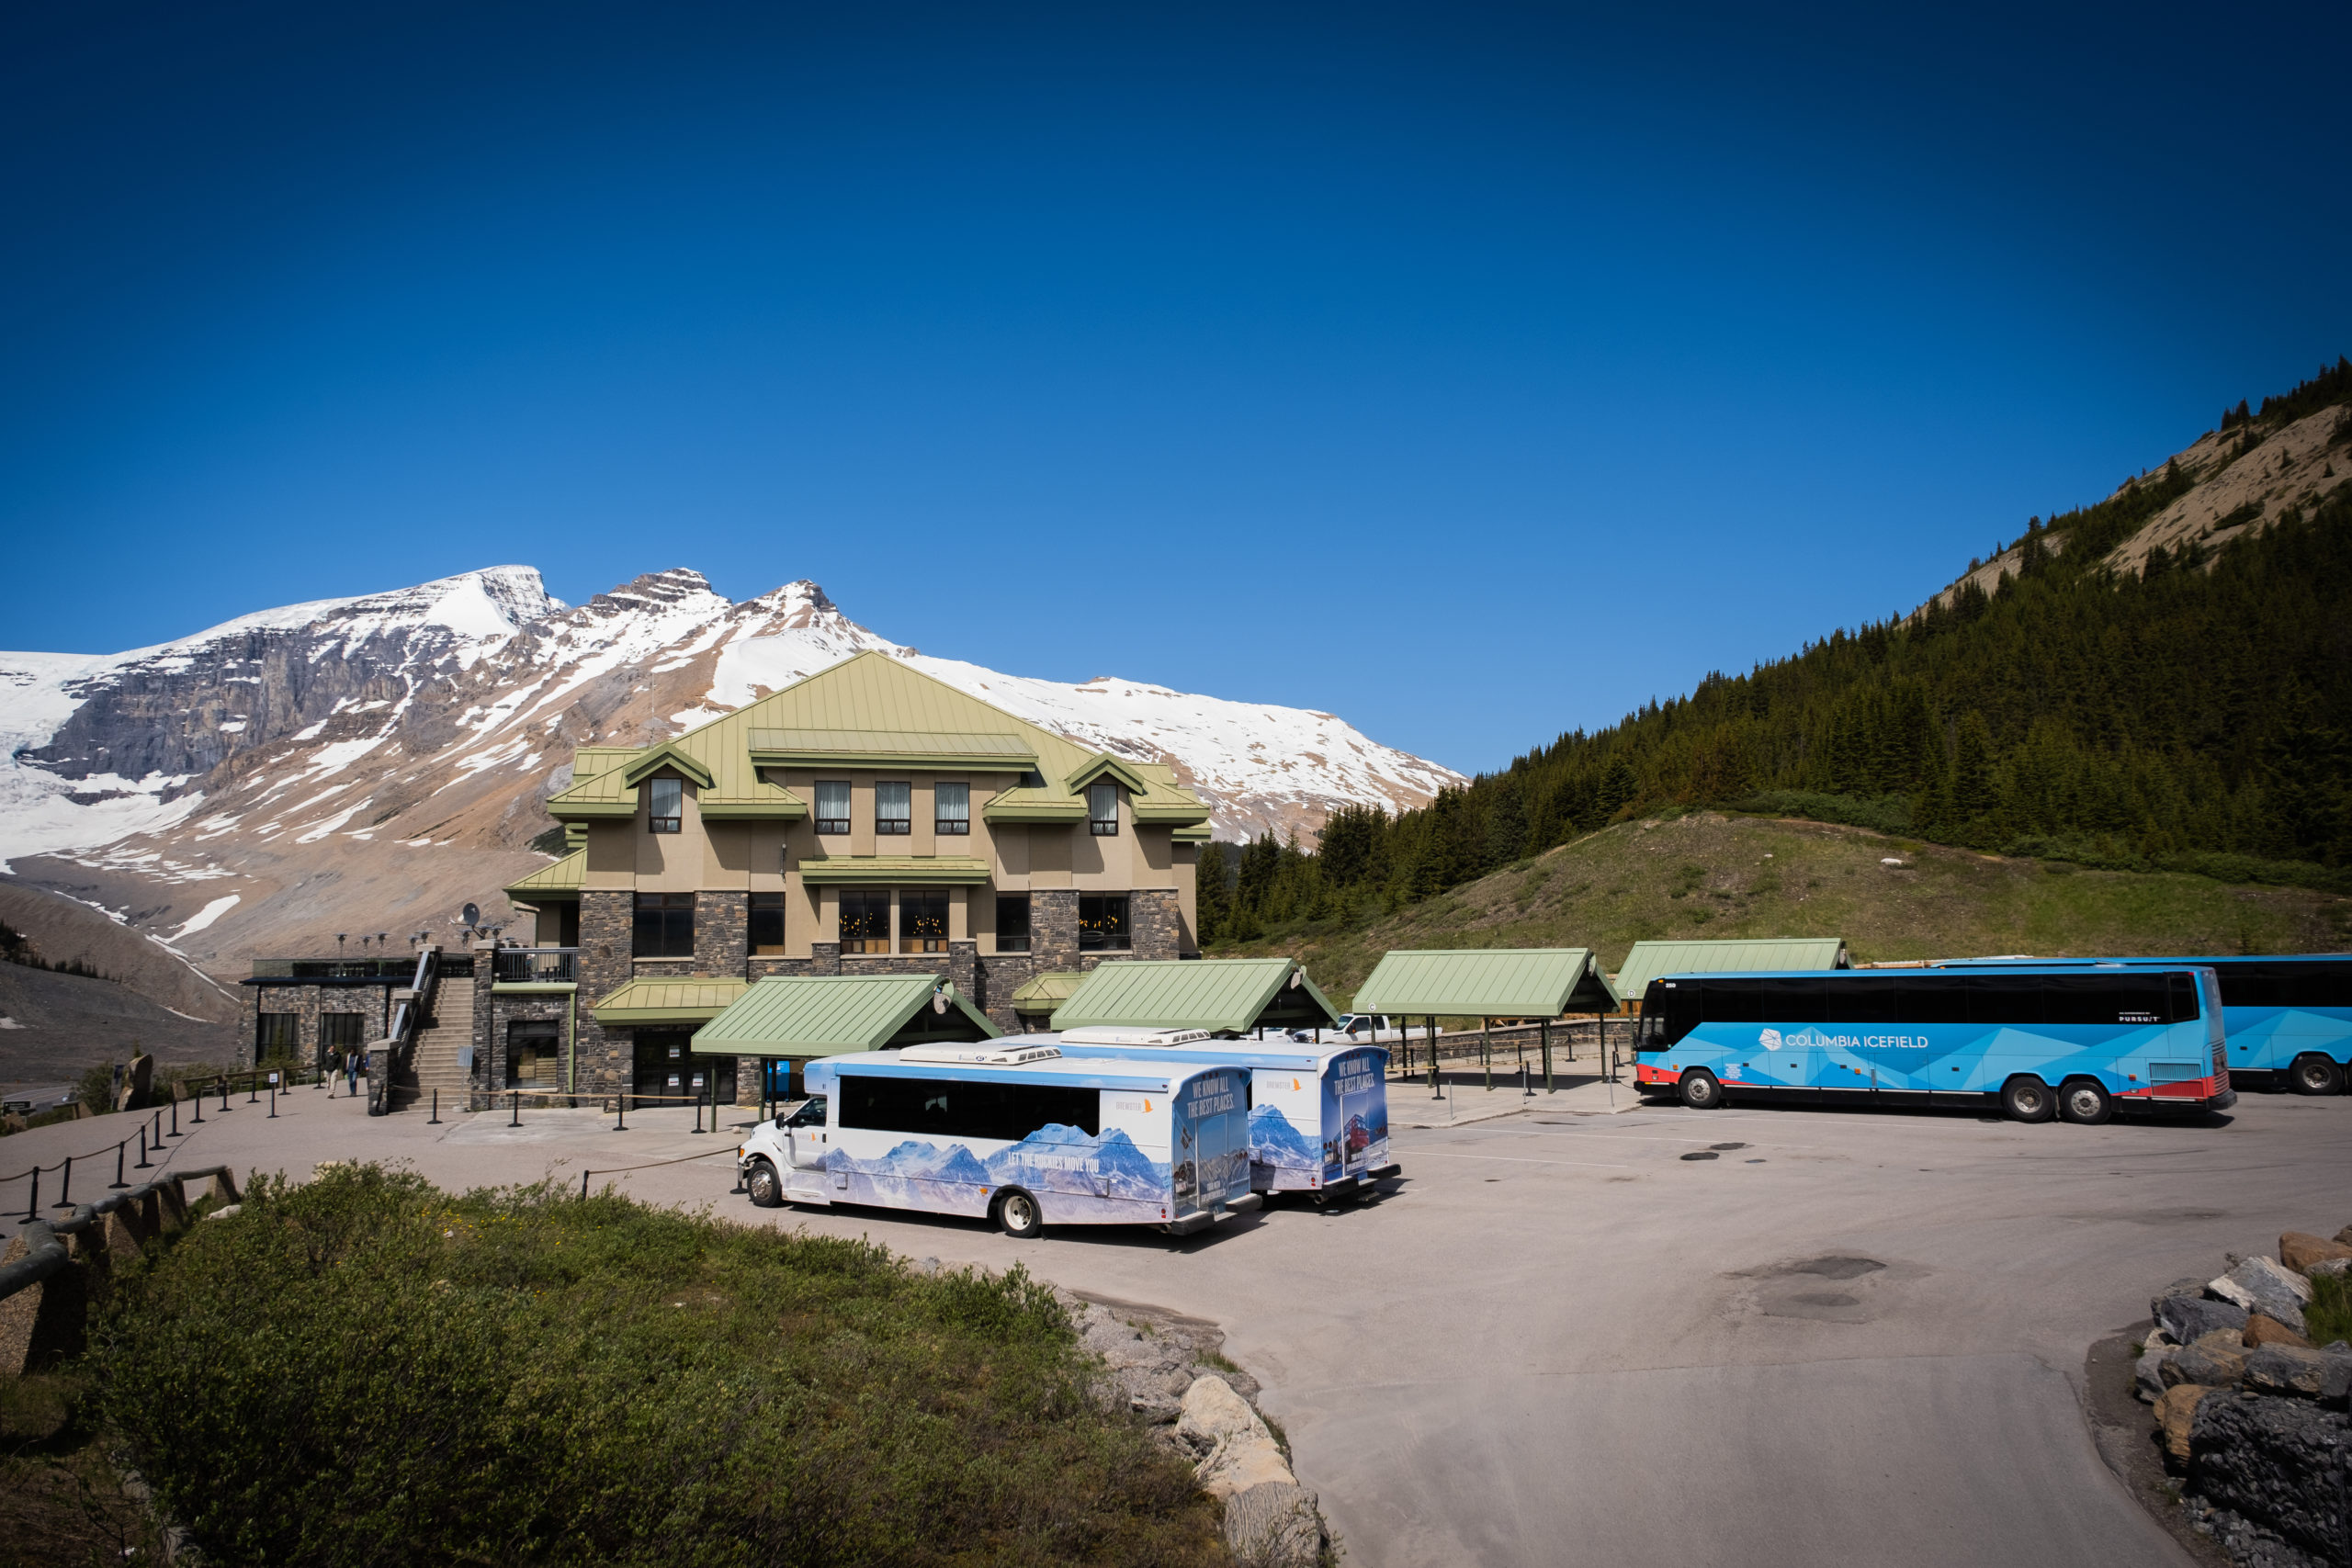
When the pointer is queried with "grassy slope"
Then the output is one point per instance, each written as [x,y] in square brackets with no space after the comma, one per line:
[1706,875]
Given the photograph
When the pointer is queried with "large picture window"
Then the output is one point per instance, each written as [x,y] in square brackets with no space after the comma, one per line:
[342,1031]
[866,919]
[276,1034]
[1102,922]
[893,808]
[664,811]
[664,926]
[951,808]
[923,919]
[1102,809]
[766,922]
[1013,922]
[832,806]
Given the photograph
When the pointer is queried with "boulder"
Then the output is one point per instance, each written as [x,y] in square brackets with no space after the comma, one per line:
[2258,1284]
[2283,1464]
[2344,1236]
[2298,1250]
[2188,1317]
[2148,1372]
[1233,1450]
[2263,1329]
[2175,1414]
[2299,1372]
[1274,1525]
[2193,1288]
[2217,1361]
[2327,1266]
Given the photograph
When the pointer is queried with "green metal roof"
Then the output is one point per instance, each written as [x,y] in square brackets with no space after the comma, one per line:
[895,869]
[1055,986]
[1236,994]
[869,710]
[1487,982]
[1648,960]
[562,880]
[652,998]
[832,1015]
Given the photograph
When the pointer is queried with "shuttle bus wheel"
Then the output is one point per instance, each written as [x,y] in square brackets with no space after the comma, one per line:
[1016,1212]
[766,1188]
[2027,1100]
[2316,1075]
[2085,1104]
[1700,1089]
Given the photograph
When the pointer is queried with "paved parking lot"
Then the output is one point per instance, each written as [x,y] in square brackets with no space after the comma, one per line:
[1851,1337]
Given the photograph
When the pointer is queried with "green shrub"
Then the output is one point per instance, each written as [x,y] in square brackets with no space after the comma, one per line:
[365,1369]
[2329,1317]
[1885,814]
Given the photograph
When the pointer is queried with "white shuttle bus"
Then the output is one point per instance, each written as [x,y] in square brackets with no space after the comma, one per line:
[1318,1114]
[1013,1131]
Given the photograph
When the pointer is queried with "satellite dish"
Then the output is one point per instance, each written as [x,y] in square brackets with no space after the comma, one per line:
[472,916]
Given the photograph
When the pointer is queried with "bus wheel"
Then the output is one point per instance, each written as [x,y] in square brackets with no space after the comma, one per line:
[2084,1104]
[2027,1100]
[1017,1213]
[766,1190]
[2316,1075]
[1700,1089]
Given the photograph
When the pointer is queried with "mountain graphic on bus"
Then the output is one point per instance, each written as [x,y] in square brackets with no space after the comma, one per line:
[1058,1158]
[1274,1142]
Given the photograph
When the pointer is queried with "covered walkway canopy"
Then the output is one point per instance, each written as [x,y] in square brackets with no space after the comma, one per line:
[801,1016]
[1484,982]
[653,1000]
[1227,995]
[1648,960]
[1041,994]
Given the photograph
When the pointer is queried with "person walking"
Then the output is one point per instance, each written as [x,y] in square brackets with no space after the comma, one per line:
[351,1072]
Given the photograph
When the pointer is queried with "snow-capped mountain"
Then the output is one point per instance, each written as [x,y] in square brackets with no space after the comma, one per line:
[387,755]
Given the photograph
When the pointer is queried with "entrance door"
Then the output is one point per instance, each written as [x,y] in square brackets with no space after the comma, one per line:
[665,1067]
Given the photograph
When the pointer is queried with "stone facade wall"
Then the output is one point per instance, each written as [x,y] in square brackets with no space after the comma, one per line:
[723,933]
[607,1057]
[490,1036]
[1155,923]
[306,1000]
[1053,928]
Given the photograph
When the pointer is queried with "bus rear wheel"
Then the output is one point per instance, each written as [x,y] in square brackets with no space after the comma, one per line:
[762,1182]
[2027,1100]
[2316,1075]
[2085,1104]
[1700,1089]
[1016,1212]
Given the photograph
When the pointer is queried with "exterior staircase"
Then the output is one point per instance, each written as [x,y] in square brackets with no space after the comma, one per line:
[433,1064]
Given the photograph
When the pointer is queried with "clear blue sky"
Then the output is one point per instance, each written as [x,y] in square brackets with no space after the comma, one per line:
[1474,372]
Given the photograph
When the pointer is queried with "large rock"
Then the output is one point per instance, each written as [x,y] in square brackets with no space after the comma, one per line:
[2327,1266]
[2284,1463]
[2175,1414]
[2194,1289]
[1274,1525]
[2217,1361]
[2344,1236]
[2186,1318]
[2258,1284]
[2300,1373]
[2298,1250]
[1232,1449]
[2148,1372]
[2263,1329]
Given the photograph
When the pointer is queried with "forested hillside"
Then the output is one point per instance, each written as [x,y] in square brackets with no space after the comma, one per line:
[2090,696]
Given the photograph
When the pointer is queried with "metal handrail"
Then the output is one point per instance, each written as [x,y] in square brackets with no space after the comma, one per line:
[535,966]
[45,1254]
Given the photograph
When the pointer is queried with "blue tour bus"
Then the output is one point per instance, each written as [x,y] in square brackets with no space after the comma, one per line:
[2036,1041]
[2289,1016]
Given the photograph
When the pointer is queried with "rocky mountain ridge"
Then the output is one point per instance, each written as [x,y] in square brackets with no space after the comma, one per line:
[367,765]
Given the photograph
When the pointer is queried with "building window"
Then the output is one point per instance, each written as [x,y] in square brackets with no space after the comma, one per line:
[277,1034]
[1102,922]
[664,926]
[1102,809]
[922,921]
[667,794]
[533,1048]
[766,922]
[1013,922]
[832,806]
[893,808]
[341,1031]
[951,808]
[866,919]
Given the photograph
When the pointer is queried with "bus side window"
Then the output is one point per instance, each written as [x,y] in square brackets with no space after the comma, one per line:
[2012,999]
[2182,988]
[1934,999]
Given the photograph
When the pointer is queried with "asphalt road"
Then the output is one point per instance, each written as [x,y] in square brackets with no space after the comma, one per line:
[1857,1339]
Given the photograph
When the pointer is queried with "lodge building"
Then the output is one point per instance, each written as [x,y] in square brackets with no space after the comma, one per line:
[868,819]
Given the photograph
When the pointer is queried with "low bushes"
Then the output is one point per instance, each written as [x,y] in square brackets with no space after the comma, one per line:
[364,1370]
